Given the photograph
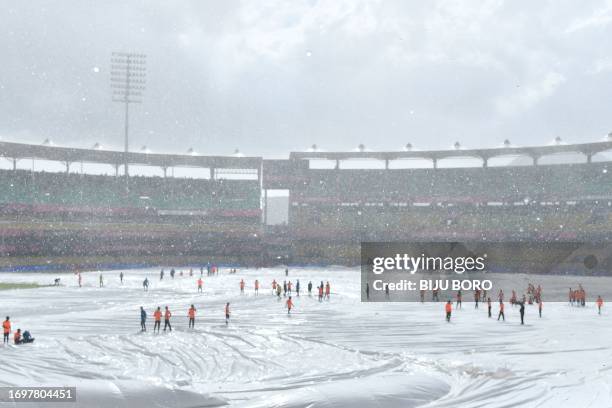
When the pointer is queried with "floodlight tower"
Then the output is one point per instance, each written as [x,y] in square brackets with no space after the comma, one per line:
[128,79]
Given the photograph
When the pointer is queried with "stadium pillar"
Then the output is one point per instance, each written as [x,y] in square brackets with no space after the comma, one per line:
[435,163]
[485,162]
[165,169]
[386,164]
[265,213]
[589,157]
[116,170]
[535,160]
[67,167]
[14,164]
[126,136]
[212,173]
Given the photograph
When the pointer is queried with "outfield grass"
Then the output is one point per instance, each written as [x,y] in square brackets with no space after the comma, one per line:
[18,285]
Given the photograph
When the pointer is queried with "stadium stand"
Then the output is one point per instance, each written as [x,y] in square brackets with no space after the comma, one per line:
[58,190]
[53,217]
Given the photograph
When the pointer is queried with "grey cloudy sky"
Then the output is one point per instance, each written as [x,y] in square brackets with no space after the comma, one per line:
[269,77]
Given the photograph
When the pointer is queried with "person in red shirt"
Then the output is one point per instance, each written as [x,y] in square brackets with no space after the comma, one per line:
[599,304]
[540,307]
[191,313]
[501,311]
[327,290]
[227,313]
[6,327]
[167,316]
[241,285]
[256,287]
[200,283]
[157,316]
[289,305]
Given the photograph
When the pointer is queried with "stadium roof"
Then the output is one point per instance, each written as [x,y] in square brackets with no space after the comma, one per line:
[13,150]
[535,152]
[72,155]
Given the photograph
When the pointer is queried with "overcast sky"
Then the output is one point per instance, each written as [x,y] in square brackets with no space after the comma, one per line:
[276,76]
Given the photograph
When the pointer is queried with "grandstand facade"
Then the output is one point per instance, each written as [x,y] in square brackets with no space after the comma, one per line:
[332,210]
[78,220]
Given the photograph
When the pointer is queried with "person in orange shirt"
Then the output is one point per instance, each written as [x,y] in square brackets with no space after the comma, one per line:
[227,313]
[273,286]
[6,326]
[320,292]
[17,337]
[191,313]
[501,311]
[327,290]
[241,285]
[157,316]
[599,304]
[200,283]
[256,286]
[289,305]
[167,316]
[449,310]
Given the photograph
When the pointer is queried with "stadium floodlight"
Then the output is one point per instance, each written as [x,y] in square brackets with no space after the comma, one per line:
[408,147]
[191,152]
[128,79]
[507,143]
[361,147]
[237,153]
[145,149]
[457,146]
[610,136]
[558,140]
[313,148]
[47,142]
[97,146]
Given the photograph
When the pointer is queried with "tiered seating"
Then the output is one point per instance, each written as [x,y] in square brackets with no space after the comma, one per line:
[549,182]
[75,190]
